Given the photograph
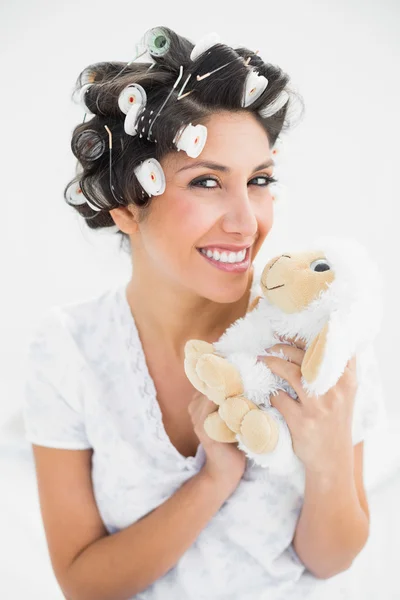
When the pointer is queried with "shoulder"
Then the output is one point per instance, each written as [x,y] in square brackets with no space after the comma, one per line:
[78,332]
[95,311]
[92,322]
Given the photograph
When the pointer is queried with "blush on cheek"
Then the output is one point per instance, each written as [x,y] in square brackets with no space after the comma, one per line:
[194,222]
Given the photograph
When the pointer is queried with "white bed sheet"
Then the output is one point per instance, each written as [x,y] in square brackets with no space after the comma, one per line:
[25,565]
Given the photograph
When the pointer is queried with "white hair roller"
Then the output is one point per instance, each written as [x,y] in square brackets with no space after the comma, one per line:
[204,44]
[151,177]
[79,97]
[76,197]
[130,120]
[130,101]
[276,105]
[133,95]
[255,86]
[191,139]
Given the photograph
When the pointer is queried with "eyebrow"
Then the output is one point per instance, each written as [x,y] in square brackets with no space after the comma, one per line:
[217,167]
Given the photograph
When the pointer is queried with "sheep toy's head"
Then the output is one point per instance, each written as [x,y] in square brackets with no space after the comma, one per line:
[292,282]
[329,297]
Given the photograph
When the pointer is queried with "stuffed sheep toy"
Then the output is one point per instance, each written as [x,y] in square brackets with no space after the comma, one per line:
[329,297]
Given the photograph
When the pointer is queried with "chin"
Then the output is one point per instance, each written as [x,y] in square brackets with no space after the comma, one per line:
[224,292]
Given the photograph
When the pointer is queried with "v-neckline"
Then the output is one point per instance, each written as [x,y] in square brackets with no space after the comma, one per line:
[154,408]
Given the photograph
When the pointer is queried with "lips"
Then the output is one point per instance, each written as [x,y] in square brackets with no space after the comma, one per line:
[236,267]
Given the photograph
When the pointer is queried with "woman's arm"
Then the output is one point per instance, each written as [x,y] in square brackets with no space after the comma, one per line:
[121,565]
[334,522]
[88,563]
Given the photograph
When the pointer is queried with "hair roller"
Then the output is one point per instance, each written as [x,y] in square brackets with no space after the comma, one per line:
[88,146]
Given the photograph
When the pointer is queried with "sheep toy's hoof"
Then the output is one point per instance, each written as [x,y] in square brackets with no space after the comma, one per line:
[233,410]
[220,376]
[196,348]
[217,430]
[259,432]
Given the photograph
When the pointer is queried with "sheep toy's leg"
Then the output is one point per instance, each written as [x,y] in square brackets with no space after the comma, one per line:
[259,431]
[217,429]
[194,350]
[233,410]
[220,376]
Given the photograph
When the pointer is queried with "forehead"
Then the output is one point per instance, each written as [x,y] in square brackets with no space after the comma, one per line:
[234,139]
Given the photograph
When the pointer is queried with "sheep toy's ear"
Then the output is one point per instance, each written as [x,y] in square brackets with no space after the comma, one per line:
[313,357]
[326,358]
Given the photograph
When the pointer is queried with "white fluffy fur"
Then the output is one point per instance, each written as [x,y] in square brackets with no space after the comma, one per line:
[352,306]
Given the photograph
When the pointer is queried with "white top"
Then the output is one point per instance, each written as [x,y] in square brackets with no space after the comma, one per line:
[88,386]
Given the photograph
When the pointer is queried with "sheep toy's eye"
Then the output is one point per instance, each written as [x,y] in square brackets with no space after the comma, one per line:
[321,264]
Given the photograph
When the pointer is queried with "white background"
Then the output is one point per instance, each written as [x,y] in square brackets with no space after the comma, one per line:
[341,163]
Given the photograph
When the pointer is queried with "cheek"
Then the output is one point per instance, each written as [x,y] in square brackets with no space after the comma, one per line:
[196,219]
[179,224]
[189,218]
[265,217]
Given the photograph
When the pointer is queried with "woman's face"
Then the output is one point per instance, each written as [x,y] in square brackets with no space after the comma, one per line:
[210,207]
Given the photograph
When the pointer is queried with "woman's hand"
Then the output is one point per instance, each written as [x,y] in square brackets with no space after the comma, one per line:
[225,463]
[321,426]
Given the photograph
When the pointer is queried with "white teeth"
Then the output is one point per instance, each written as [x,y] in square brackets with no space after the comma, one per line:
[226,257]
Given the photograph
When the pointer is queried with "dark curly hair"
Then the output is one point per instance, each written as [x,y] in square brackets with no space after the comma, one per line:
[220,92]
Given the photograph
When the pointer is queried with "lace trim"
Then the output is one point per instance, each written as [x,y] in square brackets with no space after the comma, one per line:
[147,391]
[147,388]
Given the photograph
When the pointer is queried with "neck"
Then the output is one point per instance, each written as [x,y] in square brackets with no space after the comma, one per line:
[167,316]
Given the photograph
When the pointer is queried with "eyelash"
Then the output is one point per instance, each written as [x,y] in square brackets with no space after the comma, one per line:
[193,184]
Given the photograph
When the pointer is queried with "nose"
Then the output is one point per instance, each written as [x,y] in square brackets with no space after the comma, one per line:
[240,217]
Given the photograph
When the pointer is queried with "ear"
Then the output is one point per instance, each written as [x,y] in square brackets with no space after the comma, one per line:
[126,218]
[314,355]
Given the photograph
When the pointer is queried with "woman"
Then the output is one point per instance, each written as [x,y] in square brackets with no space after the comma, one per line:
[136,500]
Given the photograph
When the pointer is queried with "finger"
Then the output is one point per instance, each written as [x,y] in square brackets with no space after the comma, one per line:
[296,341]
[288,371]
[201,407]
[208,406]
[288,407]
[196,402]
[352,364]
[293,354]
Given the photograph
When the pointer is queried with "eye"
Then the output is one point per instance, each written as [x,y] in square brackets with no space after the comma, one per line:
[267,179]
[204,182]
[321,264]
[261,181]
